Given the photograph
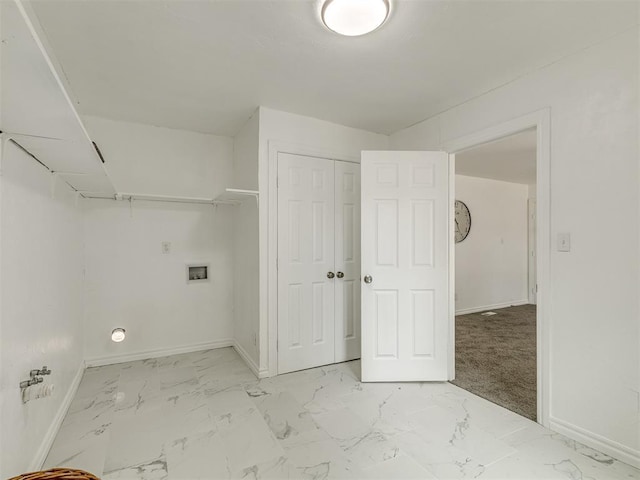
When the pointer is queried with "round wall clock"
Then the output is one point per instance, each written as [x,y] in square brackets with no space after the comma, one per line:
[463,221]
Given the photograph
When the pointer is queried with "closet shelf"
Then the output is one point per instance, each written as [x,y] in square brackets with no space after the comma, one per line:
[236,195]
[39,116]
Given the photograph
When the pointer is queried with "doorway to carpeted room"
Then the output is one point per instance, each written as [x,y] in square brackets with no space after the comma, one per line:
[496,270]
[496,357]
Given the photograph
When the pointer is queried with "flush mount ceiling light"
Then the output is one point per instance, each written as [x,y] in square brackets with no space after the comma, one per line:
[354,17]
[117,335]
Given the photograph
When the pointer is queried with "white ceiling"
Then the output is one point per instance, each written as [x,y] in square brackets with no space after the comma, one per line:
[206,65]
[511,159]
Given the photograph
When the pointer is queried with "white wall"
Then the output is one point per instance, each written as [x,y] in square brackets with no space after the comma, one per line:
[162,161]
[324,138]
[283,127]
[491,263]
[246,248]
[129,282]
[41,267]
[593,99]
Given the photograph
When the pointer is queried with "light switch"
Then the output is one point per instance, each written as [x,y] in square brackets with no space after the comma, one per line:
[564,242]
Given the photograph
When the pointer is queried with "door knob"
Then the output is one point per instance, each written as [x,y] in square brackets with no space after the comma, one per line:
[368,279]
[330,275]
[340,274]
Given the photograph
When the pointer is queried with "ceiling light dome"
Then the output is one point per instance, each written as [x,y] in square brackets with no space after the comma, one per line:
[354,17]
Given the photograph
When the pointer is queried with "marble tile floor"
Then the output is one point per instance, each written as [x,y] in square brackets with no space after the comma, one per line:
[204,415]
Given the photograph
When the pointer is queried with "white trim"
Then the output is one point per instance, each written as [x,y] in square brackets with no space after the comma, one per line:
[276,147]
[249,361]
[531,250]
[157,353]
[593,440]
[541,121]
[496,132]
[451,367]
[50,436]
[4,138]
[495,306]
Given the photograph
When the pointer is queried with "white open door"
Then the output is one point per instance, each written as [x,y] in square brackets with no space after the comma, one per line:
[405,266]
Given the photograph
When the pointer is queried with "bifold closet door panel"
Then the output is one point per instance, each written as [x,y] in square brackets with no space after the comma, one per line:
[347,222]
[306,255]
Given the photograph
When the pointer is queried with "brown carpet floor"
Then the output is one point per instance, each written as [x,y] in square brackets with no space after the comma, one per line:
[496,357]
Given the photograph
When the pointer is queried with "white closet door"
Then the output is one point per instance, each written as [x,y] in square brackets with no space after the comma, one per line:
[405,266]
[347,317]
[306,252]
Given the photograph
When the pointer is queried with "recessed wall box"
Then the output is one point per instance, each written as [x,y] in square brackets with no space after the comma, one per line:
[197,272]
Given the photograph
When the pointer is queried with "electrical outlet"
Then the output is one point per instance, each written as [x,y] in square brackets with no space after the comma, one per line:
[166,248]
[564,242]
[636,397]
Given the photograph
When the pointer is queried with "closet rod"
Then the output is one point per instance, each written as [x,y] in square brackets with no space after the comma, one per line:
[159,198]
[162,198]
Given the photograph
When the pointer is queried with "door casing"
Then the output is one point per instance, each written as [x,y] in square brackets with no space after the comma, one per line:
[531,251]
[541,121]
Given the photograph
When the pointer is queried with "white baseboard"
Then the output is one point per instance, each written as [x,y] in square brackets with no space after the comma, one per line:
[250,362]
[49,437]
[160,352]
[465,311]
[593,440]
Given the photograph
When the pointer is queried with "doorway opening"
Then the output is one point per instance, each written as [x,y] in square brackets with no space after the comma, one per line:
[495,272]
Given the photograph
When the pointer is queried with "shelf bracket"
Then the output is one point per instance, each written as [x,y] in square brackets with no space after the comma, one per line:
[53,181]
[4,139]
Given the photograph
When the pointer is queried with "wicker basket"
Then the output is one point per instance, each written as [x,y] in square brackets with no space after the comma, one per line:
[57,474]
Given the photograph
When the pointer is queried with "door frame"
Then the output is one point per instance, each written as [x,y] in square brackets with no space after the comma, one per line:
[275,148]
[532,254]
[541,121]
